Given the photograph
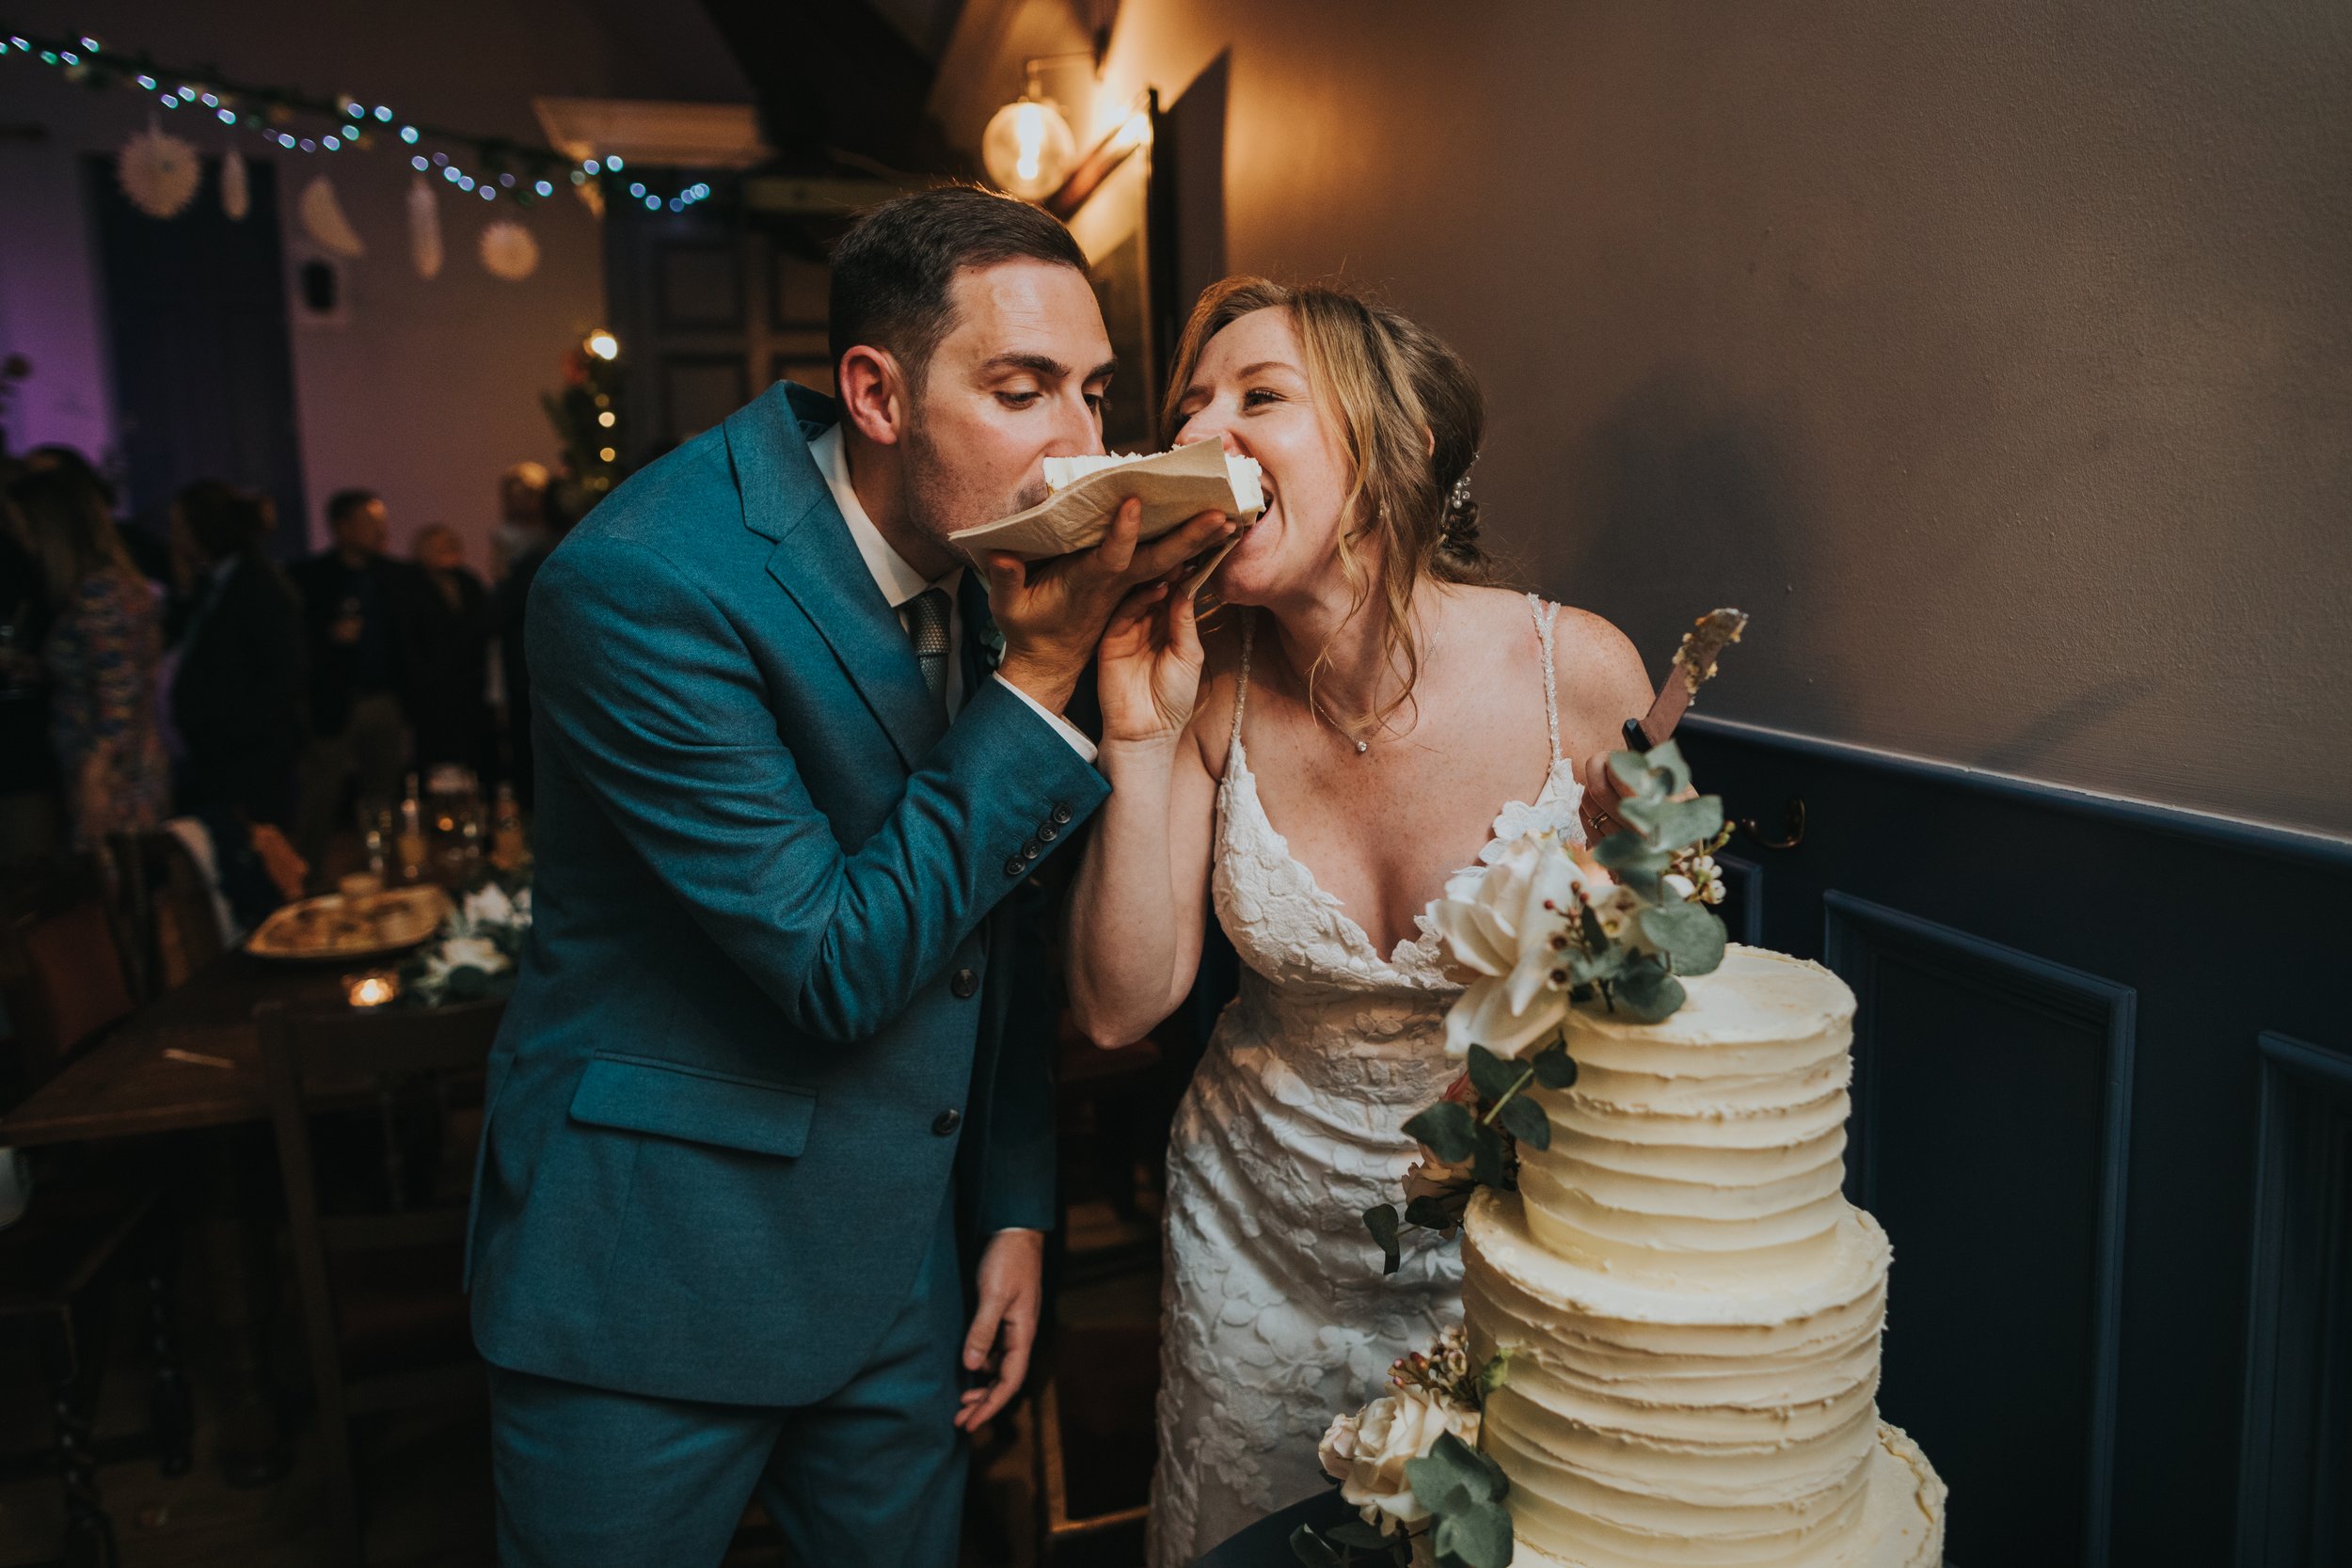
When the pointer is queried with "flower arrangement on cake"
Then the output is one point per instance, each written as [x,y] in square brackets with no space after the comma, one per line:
[1409,1463]
[1545,926]
[1673,1313]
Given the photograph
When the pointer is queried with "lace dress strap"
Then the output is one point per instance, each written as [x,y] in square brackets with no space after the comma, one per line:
[1240,689]
[1545,614]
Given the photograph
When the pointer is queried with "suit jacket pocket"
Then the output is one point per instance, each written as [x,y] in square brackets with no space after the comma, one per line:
[670,1099]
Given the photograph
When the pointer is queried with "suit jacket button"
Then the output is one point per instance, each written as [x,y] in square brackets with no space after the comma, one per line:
[947,1122]
[1015,867]
[1030,850]
[1048,833]
[963,984]
[1061,814]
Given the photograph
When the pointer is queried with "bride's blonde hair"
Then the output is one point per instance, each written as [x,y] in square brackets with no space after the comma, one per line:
[1410,416]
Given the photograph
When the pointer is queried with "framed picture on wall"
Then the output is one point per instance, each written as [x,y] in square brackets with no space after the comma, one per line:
[1123,226]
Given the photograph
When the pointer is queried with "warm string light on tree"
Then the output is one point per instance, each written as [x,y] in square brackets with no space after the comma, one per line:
[487,167]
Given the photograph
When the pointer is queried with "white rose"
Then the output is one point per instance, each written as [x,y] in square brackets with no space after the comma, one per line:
[1498,923]
[1366,1452]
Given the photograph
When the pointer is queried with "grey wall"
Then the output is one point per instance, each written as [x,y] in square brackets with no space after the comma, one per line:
[1997,356]
[425,390]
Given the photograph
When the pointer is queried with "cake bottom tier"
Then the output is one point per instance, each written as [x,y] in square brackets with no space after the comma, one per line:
[1901,1524]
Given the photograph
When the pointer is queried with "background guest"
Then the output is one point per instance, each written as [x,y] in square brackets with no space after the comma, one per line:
[151,554]
[530,519]
[357,608]
[451,651]
[105,635]
[29,813]
[238,696]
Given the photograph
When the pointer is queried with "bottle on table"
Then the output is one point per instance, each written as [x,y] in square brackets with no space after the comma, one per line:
[408,845]
[509,848]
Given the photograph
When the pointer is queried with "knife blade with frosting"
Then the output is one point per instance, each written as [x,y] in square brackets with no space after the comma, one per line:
[1693,663]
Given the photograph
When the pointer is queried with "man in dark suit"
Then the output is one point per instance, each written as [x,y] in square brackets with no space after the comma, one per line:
[358,616]
[756,1084]
[450,656]
[237,693]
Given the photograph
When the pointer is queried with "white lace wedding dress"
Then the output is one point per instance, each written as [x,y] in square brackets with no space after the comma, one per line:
[1275,1314]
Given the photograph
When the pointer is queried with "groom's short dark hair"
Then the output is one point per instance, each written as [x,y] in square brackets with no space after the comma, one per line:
[892,271]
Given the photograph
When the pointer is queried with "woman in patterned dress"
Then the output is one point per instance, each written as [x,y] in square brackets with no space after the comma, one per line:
[100,655]
[1312,768]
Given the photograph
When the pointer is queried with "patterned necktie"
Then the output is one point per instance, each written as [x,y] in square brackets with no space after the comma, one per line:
[927,624]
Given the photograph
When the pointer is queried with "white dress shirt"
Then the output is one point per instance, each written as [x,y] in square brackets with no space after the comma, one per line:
[901,583]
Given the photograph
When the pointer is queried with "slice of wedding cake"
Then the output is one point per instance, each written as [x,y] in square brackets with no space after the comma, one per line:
[1690,1308]
[1174,486]
[1672,1313]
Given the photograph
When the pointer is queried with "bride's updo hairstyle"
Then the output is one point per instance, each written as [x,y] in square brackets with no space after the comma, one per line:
[1410,416]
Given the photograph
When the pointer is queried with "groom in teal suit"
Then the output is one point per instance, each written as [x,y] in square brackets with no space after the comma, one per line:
[755,1099]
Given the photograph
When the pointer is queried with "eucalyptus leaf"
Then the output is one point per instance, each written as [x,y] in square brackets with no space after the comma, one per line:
[1490,1074]
[1356,1533]
[1666,757]
[1525,1120]
[1601,964]
[1431,1214]
[1496,1374]
[1678,824]
[1478,1537]
[1647,992]
[1623,852]
[1555,1068]
[1689,934]
[1439,1487]
[1487,1165]
[1381,1221]
[1448,1129]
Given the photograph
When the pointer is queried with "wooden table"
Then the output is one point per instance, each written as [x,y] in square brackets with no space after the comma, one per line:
[126,1087]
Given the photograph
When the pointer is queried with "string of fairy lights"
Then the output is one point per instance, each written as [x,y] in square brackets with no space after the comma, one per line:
[297,121]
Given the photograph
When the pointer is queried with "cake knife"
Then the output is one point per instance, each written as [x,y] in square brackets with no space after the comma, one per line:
[1693,662]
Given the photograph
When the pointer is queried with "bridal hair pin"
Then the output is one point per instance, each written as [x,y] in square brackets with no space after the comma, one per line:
[1457,501]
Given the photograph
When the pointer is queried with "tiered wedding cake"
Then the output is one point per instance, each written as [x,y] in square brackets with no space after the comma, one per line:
[1690,1306]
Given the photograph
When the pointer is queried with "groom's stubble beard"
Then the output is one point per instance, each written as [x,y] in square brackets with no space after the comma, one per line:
[940,500]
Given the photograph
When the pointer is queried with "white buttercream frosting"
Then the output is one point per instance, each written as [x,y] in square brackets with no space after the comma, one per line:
[1692,1308]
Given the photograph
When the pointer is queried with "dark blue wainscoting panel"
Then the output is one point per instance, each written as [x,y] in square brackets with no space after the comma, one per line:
[2295,1486]
[2090,1031]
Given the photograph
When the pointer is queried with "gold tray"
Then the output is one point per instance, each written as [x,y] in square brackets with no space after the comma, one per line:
[334,926]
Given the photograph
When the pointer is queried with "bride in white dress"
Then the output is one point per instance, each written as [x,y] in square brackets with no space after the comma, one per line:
[1314,765]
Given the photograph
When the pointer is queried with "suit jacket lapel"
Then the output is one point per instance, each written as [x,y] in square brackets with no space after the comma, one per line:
[815,562]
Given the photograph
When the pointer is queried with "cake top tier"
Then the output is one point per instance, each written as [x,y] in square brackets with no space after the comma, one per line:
[1756,998]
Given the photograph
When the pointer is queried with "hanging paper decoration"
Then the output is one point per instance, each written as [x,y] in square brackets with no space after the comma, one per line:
[508,250]
[322,220]
[424,229]
[159,173]
[236,197]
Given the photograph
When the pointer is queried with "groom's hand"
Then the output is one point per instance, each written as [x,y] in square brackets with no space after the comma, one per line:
[1011,1291]
[1052,612]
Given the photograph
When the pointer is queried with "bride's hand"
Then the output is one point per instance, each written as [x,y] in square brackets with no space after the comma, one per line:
[1147,666]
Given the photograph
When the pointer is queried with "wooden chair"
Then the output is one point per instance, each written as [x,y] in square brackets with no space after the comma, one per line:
[166,921]
[384,1317]
[1095,1446]
[63,984]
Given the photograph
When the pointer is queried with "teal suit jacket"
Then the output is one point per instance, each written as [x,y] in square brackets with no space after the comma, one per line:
[768,1011]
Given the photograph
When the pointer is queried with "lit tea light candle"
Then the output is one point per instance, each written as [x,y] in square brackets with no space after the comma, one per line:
[371,989]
